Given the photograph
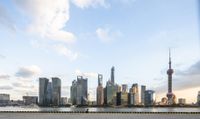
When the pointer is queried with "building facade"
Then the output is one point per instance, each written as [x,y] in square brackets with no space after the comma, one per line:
[198,98]
[100,90]
[49,93]
[143,89]
[149,98]
[135,93]
[111,91]
[122,98]
[73,92]
[63,101]
[181,101]
[4,99]
[79,91]
[43,83]
[56,91]
[28,100]
[124,88]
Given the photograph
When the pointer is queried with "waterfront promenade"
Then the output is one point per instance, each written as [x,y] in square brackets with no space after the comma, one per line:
[99,116]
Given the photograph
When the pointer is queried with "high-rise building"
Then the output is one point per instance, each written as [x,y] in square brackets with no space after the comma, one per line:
[143,89]
[113,74]
[79,91]
[171,97]
[198,98]
[130,98]
[56,91]
[124,88]
[149,98]
[111,90]
[105,95]
[134,90]
[122,98]
[43,83]
[100,80]
[73,92]
[100,90]
[49,93]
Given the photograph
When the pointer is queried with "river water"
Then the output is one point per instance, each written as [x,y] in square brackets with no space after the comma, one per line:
[68,109]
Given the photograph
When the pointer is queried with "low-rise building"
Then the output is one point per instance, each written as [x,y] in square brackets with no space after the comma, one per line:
[4,99]
[182,101]
[28,100]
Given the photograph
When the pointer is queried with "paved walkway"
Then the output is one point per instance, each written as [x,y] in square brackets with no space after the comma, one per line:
[95,116]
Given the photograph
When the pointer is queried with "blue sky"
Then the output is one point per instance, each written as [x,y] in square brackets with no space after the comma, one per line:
[67,38]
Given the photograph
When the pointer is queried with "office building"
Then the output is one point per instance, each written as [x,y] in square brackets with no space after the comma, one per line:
[49,93]
[149,98]
[124,88]
[28,100]
[56,91]
[73,92]
[43,83]
[198,98]
[122,98]
[100,90]
[171,97]
[79,91]
[143,89]
[63,101]
[135,93]
[4,99]
[111,90]
[181,101]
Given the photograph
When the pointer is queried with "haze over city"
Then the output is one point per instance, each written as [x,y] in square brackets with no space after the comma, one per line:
[66,38]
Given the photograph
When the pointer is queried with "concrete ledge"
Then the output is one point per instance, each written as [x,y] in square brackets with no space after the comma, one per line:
[83,112]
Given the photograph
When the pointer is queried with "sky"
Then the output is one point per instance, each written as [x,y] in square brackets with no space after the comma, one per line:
[66,38]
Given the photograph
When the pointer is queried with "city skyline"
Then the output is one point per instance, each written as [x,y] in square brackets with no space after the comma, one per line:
[87,37]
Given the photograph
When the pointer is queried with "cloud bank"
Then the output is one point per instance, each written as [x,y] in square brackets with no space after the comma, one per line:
[90,3]
[107,35]
[47,18]
[28,71]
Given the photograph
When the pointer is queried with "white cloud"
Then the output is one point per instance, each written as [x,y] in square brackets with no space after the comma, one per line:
[4,76]
[6,87]
[86,74]
[107,35]
[88,3]
[48,18]
[62,50]
[28,71]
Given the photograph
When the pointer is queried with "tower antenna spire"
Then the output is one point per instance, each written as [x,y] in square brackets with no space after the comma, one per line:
[169,58]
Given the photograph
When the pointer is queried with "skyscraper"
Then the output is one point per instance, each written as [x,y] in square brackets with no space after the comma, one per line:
[143,89]
[100,90]
[124,88]
[79,91]
[171,97]
[73,92]
[112,74]
[198,98]
[111,91]
[43,83]
[56,91]
[49,93]
[149,98]
[135,93]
